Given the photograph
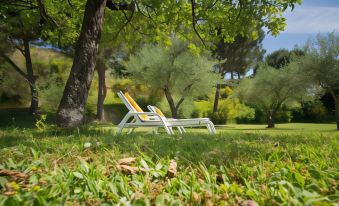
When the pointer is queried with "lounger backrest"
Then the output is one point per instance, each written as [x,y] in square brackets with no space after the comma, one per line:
[156,110]
[132,105]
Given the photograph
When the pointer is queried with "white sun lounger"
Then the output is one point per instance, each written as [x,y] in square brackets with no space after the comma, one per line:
[194,122]
[137,118]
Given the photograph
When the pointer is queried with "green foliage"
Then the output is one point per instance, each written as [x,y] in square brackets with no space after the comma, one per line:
[241,54]
[282,57]
[156,21]
[321,62]
[13,88]
[174,69]
[229,110]
[79,167]
[271,89]
[312,111]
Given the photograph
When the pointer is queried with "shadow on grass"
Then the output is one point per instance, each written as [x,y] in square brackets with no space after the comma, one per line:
[190,148]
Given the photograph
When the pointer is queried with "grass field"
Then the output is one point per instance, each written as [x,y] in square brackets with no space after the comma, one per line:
[294,164]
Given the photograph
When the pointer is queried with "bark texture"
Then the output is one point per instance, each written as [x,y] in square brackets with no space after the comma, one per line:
[28,76]
[216,98]
[173,107]
[31,79]
[270,119]
[71,110]
[102,90]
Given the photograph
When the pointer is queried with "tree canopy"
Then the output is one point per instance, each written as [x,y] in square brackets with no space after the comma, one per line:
[176,70]
[321,64]
[270,89]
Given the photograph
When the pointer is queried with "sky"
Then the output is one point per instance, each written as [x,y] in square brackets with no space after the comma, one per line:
[305,22]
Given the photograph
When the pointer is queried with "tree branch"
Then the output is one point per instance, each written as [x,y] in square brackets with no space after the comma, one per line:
[43,14]
[15,67]
[128,20]
[184,96]
[120,6]
[194,22]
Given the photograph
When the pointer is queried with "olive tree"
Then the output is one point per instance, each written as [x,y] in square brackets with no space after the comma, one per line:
[321,64]
[177,71]
[270,89]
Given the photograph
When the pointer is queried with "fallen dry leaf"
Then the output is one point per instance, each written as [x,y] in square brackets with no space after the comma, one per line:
[14,175]
[127,161]
[172,169]
[127,169]
[9,193]
[249,203]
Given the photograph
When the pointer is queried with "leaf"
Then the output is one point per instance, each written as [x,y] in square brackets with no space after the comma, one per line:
[127,169]
[14,175]
[160,200]
[3,181]
[144,164]
[299,178]
[78,175]
[84,165]
[77,190]
[127,161]
[158,166]
[172,169]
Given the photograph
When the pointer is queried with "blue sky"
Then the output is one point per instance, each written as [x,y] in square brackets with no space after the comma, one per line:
[304,22]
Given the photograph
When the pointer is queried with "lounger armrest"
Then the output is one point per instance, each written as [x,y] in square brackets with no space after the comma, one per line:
[145,113]
[149,114]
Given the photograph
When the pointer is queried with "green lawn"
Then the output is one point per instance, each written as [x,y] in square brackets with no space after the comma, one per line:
[294,164]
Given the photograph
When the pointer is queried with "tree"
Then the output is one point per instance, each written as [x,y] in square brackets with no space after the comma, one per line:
[237,57]
[26,23]
[321,64]
[160,19]
[280,58]
[178,72]
[270,89]
[107,61]
[73,102]
[20,26]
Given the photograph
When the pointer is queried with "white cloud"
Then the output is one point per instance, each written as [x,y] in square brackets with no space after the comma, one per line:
[312,19]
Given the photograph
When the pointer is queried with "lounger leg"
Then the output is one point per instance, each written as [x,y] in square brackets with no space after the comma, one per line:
[214,131]
[180,131]
[155,130]
[183,129]
[123,122]
[130,131]
[120,130]
[209,128]
[171,129]
[168,130]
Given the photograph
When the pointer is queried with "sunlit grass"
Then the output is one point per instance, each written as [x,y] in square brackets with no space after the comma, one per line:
[291,165]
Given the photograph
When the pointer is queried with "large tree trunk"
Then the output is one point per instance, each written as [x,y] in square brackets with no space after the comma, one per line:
[174,109]
[270,119]
[216,98]
[71,110]
[31,79]
[239,76]
[102,91]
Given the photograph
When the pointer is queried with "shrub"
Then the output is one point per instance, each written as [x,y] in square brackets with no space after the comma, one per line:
[229,110]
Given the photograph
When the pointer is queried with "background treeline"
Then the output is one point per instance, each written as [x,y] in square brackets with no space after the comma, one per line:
[52,68]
